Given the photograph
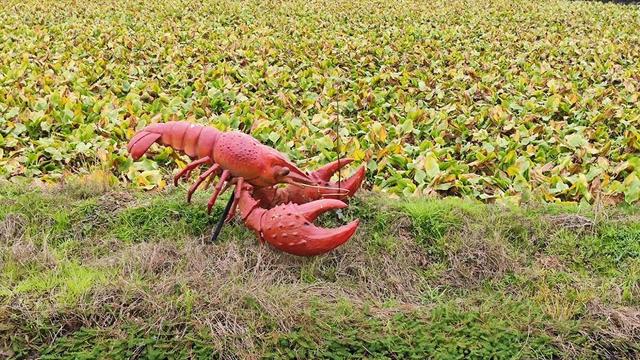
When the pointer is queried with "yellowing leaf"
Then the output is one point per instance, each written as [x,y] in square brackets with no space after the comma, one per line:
[430,165]
[358,155]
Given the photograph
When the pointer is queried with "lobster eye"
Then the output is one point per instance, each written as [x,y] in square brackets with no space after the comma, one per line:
[283,172]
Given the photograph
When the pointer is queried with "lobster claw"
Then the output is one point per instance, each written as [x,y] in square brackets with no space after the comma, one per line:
[348,186]
[289,228]
[325,188]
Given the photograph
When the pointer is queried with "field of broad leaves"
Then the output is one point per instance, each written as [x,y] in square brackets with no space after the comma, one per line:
[498,100]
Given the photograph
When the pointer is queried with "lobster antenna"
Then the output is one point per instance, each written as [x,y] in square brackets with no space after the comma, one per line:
[319,187]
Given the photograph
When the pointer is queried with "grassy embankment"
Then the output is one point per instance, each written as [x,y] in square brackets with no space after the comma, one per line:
[119,274]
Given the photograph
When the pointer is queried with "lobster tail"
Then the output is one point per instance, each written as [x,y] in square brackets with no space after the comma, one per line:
[194,140]
[143,139]
[141,142]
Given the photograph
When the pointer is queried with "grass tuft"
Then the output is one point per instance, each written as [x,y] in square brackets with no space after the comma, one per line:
[434,219]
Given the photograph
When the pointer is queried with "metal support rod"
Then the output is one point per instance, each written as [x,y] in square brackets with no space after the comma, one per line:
[338,139]
[218,228]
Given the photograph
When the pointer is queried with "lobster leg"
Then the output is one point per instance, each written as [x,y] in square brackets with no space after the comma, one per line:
[207,174]
[223,178]
[187,170]
[236,198]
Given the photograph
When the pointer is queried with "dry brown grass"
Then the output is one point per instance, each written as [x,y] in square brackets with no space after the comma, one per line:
[112,202]
[383,274]
[230,290]
[550,262]
[622,322]
[86,185]
[233,289]
[12,228]
[25,252]
[571,222]
[616,325]
[479,256]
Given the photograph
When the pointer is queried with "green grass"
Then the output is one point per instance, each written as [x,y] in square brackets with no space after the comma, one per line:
[163,218]
[443,332]
[118,273]
[614,249]
[68,283]
[433,220]
[130,342]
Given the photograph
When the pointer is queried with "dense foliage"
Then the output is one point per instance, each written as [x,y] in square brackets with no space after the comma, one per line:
[500,99]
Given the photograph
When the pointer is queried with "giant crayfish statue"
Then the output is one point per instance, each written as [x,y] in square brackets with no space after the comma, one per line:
[281,216]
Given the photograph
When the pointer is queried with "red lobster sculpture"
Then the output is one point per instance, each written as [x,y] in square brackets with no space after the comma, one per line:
[281,216]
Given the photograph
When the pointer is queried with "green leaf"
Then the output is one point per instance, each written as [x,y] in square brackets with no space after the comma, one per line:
[274,137]
[576,140]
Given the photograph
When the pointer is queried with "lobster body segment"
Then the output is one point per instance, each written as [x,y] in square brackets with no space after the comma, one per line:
[242,155]
[280,216]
